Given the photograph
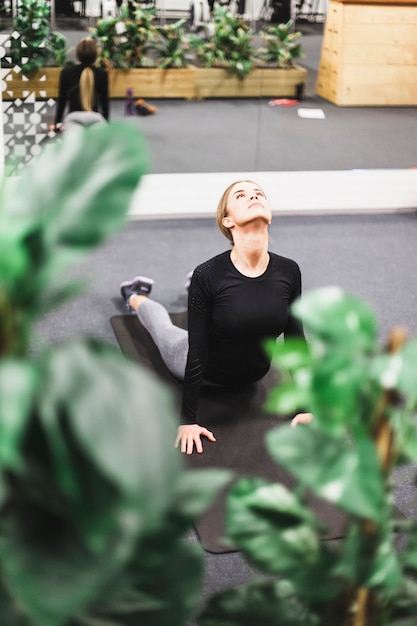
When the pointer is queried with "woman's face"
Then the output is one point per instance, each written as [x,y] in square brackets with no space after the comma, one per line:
[246,203]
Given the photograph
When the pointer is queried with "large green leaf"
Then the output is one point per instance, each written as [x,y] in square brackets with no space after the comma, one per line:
[157,589]
[17,388]
[398,371]
[279,535]
[11,613]
[266,602]
[271,526]
[51,576]
[386,572]
[338,387]
[123,419]
[13,258]
[70,198]
[293,360]
[370,560]
[197,489]
[336,317]
[94,172]
[345,473]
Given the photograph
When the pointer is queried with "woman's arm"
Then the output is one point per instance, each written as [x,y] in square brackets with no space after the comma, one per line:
[199,316]
[295,329]
[62,97]
[102,82]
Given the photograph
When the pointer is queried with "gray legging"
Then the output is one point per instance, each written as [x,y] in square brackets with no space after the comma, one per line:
[77,119]
[171,340]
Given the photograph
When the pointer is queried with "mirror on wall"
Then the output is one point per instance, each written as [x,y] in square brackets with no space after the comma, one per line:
[27,115]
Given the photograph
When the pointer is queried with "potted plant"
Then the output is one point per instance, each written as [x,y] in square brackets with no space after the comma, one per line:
[33,45]
[170,47]
[124,42]
[281,45]
[364,403]
[228,43]
[131,48]
[94,501]
[34,54]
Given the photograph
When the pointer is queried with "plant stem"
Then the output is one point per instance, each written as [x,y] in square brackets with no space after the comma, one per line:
[383,434]
[365,603]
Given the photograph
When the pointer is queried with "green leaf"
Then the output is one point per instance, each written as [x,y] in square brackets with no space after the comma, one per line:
[94,172]
[287,399]
[11,613]
[293,360]
[50,577]
[336,317]
[17,388]
[266,602]
[398,371]
[123,419]
[153,591]
[347,474]
[197,489]
[274,530]
[13,259]
[290,355]
[366,560]
[338,387]
[386,571]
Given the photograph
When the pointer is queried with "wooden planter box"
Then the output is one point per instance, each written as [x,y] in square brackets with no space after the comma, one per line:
[153,82]
[189,83]
[268,82]
[44,84]
[369,53]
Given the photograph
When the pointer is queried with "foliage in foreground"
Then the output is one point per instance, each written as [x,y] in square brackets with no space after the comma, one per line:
[364,402]
[94,503]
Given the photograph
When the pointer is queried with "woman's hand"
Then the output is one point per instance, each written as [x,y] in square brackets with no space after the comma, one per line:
[301,418]
[190,435]
[56,128]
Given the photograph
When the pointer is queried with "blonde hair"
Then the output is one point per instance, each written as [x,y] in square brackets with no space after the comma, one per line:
[86,52]
[222,208]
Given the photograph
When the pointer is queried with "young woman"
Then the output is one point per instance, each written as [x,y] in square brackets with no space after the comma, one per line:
[236,300]
[83,88]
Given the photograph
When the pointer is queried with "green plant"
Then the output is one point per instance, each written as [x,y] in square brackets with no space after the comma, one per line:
[228,43]
[124,42]
[171,47]
[282,45]
[94,503]
[364,403]
[33,45]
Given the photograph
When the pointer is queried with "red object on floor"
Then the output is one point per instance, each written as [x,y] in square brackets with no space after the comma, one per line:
[282,102]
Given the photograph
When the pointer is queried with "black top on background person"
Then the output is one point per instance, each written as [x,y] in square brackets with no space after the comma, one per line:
[83,87]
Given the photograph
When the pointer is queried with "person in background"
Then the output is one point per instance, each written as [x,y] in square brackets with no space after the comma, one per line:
[235,301]
[83,90]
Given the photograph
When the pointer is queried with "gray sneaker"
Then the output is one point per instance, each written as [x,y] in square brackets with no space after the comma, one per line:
[140,285]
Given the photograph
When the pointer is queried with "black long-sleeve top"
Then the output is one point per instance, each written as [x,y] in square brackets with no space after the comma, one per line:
[69,91]
[229,316]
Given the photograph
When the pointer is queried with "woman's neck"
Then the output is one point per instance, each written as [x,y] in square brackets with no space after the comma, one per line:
[251,256]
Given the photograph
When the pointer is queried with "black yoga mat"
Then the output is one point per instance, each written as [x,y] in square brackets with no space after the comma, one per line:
[239,424]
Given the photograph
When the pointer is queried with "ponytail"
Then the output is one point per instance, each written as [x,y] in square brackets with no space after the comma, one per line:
[86,53]
[87,89]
